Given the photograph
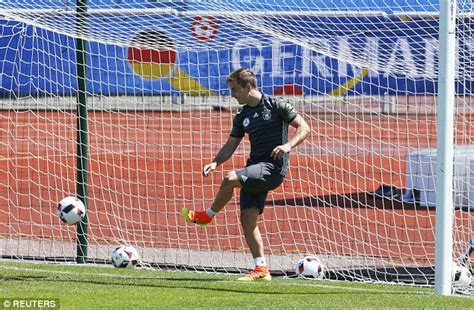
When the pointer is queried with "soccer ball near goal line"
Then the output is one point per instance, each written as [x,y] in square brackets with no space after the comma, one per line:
[71,210]
[310,267]
[125,256]
[462,276]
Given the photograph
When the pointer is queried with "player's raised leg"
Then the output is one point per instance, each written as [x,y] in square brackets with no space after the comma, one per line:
[225,193]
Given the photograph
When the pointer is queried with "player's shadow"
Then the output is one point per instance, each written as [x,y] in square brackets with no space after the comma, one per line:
[348,201]
[180,285]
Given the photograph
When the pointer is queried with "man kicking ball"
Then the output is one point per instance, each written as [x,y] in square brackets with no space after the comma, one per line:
[265,119]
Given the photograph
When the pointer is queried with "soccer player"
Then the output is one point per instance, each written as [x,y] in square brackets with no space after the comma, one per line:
[265,119]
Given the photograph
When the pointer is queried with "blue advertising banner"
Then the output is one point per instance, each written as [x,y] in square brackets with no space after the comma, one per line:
[388,6]
[194,54]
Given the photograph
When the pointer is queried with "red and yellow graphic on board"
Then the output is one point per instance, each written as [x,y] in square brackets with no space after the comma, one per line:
[152,55]
[350,84]
[288,90]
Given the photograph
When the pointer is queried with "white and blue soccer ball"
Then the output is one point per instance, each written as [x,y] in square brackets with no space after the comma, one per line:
[125,256]
[71,210]
[310,267]
[461,276]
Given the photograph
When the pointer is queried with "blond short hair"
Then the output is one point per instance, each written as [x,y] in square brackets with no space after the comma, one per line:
[243,76]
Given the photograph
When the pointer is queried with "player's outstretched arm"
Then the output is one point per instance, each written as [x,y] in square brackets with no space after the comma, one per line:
[223,155]
[302,131]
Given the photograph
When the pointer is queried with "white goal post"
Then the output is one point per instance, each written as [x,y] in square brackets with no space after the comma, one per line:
[363,73]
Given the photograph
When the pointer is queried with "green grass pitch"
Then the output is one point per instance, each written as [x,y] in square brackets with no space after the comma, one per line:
[97,287]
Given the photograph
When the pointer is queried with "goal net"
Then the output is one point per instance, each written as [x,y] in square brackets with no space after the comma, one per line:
[359,193]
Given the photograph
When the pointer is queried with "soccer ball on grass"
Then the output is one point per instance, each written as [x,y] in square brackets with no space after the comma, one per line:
[310,267]
[125,256]
[71,210]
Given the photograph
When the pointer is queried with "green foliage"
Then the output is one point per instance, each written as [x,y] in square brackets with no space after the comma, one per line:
[96,287]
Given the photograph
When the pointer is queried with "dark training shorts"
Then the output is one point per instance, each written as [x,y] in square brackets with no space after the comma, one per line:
[256,180]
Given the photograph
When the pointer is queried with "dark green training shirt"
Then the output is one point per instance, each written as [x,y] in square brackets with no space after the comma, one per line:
[267,127]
